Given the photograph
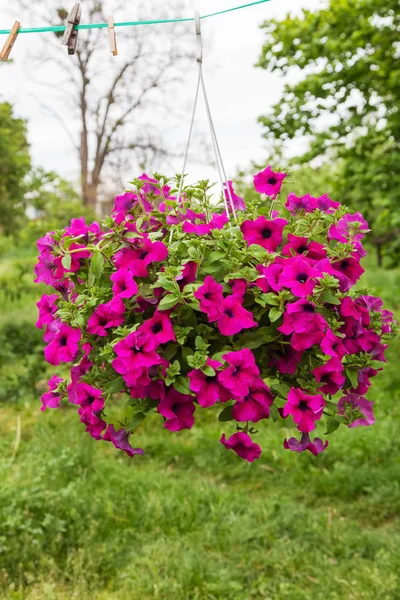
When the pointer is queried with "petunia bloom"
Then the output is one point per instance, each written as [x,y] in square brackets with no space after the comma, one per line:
[269,182]
[124,284]
[120,440]
[297,203]
[51,399]
[264,232]
[159,326]
[210,296]
[299,276]
[254,406]
[217,222]
[206,387]
[355,402]
[47,307]
[63,346]
[106,316]
[315,447]
[233,317]
[301,245]
[178,409]
[241,373]
[349,228]
[243,445]
[230,194]
[304,408]
[331,375]
[140,256]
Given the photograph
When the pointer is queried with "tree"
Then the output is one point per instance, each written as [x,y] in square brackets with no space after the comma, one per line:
[15,163]
[345,102]
[116,101]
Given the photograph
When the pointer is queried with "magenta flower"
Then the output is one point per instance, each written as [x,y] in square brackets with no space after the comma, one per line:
[364,382]
[270,276]
[206,387]
[349,228]
[304,408]
[210,297]
[159,327]
[269,182]
[233,317]
[286,360]
[64,345]
[325,204]
[243,445]
[299,276]
[106,316]
[332,345]
[139,258]
[301,317]
[254,406]
[135,352]
[120,440]
[354,402]
[297,203]
[47,307]
[51,399]
[178,409]
[45,270]
[351,268]
[301,245]
[217,222]
[238,202]
[124,284]
[264,232]
[241,373]
[78,228]
[356,310]
[125,203]
[315,447]
[331,375]
[188,275]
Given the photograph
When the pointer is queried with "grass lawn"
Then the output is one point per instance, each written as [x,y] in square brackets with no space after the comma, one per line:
[190,520]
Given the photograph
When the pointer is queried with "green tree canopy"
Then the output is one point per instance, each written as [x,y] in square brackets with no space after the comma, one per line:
[344,99]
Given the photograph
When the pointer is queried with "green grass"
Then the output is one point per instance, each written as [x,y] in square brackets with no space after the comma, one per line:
[189,520]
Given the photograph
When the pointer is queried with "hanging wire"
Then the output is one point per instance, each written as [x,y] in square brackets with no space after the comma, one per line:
[57,28]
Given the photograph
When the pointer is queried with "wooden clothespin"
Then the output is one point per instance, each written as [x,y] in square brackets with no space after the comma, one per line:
[9,43]
[112,36]
[70,36]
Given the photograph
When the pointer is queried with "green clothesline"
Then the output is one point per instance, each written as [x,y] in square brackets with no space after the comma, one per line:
[128,23]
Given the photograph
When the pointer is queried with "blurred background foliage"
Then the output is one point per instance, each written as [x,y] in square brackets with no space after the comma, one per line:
[189,520]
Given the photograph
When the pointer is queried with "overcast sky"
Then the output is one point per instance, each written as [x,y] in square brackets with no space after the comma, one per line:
[238,92]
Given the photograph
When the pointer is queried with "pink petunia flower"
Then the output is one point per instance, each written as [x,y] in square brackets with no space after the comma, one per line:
[264,232]
[297,203]
[47,307]
[270,276]
[124,284]
[301,245]
[135,352]
[120,440]
[315,447]
[354,402]
[304,408]
[238,202]
[178,409]
[232,317]
[159,327]
[63,346]
[51,399]
[241,374]
[349,228]
[207,388]
[138,258]
[254,406]
[331,375]
[332,345]
[217,222]
[106,316]
[243,445]
[325,204]
[210,296]
[188,274]
[286,360]
[299,276]
[269,182]
[351,269]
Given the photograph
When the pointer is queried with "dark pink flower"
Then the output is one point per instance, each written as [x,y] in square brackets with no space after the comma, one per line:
[238,202]
[78,228]
[152,186]
[178,409]
[355,402]
[210,296]
[207,388]
[351,268]
[299,276]
[124,284]
[238,287]
[241,374]
[45,270]
[106,316]
[120,440]
[352,308]
[188,274]
[286,360]
[47,307]
[217,222]
[325,204]
[63,346]
[304,323]
[243,445]
[269,182]
[264,232]
[304,408]
[233,317]
[331,375]
[51,399]
[297,203]
[301,245]
[332,345]
[135,352]
[315,447]
[138,258]
[254,406]
[125,203]
[364,382]
[159,327]
[349,228]
[270,276]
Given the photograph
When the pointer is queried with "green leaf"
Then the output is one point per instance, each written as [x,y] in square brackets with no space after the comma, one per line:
[166,284]
[181,384]
[329,298]
[66,261]
[135,422]
[274,412]
[170,350]
[168,301]
[331,425]
[255,339]
[352,374]
[96,265]
[209,371]
[271,299]
[200,343]
[226,414]
[115,386]
[275,314]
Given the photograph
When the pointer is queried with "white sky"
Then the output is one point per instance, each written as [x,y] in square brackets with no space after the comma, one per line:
[238,92]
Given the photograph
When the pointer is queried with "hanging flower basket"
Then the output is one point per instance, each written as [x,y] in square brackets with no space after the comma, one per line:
[177,305]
